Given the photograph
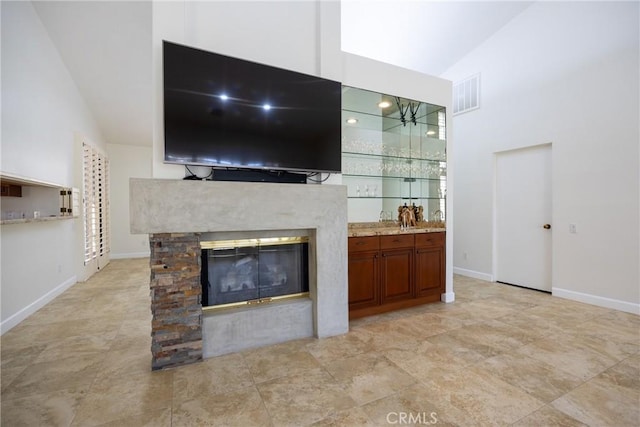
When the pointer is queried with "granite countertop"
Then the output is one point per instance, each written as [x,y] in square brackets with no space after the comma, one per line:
[361,229]
[41,219]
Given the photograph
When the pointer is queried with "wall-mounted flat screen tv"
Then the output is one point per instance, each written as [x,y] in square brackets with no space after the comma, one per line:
[227,112]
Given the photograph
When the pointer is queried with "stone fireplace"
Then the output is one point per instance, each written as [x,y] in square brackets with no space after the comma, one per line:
[179,214]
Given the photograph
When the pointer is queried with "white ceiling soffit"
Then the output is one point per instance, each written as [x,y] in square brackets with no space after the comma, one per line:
[107,48]
[426,36]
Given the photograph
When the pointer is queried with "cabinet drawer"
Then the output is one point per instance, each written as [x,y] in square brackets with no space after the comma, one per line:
[360,244]
[396,241]
[430,239]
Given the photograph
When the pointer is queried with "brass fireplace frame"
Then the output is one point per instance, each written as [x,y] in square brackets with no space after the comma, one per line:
[245,243]
[254,242]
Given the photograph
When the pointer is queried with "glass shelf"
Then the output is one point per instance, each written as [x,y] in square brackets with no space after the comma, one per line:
[393,168]
[392,156]
[393,197]
[405,178]
[393,119]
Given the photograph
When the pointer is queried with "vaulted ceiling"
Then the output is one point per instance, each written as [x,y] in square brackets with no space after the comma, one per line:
[426,36]
[107,47]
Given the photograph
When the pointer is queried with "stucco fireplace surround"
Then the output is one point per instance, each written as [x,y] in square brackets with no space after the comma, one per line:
[177,214]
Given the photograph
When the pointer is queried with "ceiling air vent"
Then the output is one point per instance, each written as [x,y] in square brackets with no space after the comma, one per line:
[466,94]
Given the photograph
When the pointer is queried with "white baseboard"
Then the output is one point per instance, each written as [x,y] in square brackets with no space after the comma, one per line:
[473,274]
[615,304]
[448,297]
[130,255]
[27,311]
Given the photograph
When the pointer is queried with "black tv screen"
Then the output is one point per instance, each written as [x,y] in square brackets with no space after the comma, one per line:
[224,111]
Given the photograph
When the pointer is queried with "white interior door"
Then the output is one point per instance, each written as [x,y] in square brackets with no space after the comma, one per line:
[523,213]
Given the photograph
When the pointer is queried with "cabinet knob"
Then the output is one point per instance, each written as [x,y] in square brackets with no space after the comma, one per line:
[546,226]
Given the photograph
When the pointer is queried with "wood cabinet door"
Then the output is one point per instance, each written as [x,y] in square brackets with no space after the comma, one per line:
[397,274]
[430,268]
[364,283]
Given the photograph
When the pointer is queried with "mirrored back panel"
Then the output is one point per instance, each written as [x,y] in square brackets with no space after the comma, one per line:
[393,154]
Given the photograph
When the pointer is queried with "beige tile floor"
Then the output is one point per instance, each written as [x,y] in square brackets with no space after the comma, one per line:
[499,355]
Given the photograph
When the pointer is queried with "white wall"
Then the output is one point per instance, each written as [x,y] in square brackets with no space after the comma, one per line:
[126,161]
[41,105]
[565,73]
[286,34]
[42,115]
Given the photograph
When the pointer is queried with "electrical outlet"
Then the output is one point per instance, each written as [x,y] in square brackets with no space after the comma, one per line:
[572,229]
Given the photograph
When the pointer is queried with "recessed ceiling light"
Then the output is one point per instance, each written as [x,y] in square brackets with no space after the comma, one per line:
[352,120]
[224,97]
[384,104]
[267,107]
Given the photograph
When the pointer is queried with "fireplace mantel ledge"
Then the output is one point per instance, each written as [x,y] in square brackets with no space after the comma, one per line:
[174,206]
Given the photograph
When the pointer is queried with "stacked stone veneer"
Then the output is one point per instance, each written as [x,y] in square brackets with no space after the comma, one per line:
[176,337]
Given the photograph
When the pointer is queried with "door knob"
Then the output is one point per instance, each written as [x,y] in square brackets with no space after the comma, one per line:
[546,226]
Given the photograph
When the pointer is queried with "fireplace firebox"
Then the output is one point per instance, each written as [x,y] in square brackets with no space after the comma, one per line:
[253,271]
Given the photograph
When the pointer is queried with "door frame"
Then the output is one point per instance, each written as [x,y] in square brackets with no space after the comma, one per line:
[494,208]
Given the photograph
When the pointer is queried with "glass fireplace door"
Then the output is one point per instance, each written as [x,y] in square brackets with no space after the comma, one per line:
[253,273]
